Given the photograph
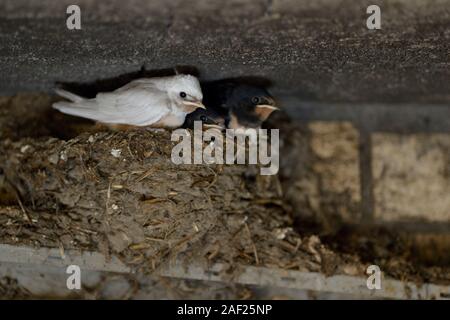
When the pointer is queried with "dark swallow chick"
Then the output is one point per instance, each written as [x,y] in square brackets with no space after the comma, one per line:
[231,104]
[240,105]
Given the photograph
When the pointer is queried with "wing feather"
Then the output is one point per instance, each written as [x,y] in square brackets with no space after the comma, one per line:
[134,105]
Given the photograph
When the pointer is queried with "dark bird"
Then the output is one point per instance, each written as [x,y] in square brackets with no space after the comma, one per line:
[232,104]
[208,118]
[242,105]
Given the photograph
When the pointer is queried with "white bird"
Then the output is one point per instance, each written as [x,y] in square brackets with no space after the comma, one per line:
[160,102]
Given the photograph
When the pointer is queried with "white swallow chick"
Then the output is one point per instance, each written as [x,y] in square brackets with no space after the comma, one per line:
[160,102]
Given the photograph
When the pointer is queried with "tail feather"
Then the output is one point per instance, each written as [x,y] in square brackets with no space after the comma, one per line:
[79,106]
[86,111]
[69,95]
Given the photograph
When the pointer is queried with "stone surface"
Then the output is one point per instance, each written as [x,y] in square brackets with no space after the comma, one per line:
[326,186]
[318,51]
[336,147]
[411,175]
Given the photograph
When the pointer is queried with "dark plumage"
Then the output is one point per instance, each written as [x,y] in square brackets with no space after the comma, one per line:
[209,119]
[234,104]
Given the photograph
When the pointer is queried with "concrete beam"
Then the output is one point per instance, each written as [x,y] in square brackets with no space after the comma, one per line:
[320,51]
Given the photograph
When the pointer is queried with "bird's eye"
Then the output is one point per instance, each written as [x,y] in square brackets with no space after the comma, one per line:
[203,118]
[255,100]
[183,94]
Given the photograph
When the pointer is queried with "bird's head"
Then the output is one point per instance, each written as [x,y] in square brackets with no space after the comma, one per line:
[208,117]
[186,92]
[249,106]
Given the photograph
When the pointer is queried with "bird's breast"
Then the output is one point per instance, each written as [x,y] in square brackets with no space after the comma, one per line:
[172,120]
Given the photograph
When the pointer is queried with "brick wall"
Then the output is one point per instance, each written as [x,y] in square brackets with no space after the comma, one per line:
[401,182]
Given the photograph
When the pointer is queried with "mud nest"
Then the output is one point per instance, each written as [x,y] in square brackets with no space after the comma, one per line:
[120,194]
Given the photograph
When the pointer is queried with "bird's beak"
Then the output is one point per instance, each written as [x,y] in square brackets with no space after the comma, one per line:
[265,110]
[193,105]
[212,126]
[267,106]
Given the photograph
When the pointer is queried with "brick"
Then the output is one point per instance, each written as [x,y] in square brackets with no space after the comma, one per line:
[335,146]
[411,175]
[330,186]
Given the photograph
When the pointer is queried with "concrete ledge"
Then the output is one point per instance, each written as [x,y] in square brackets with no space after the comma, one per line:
[391,289]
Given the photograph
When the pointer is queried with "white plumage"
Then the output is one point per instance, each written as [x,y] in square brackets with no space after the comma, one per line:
[153,102]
